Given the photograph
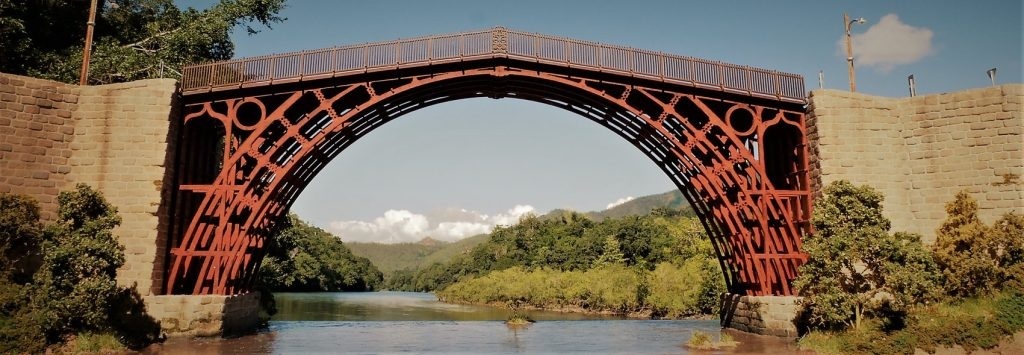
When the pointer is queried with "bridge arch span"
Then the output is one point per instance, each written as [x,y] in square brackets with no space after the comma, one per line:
[750,193]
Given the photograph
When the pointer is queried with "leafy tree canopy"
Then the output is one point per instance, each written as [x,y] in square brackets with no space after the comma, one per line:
[976,258]
[133,39]
[302,257]
[855,266]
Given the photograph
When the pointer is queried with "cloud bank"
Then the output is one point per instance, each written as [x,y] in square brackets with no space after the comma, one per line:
[619,202]
[888,43]
[403,226]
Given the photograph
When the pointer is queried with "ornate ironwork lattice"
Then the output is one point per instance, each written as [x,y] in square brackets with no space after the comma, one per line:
[253,141]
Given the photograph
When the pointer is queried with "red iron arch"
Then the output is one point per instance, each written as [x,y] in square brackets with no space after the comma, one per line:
[710,143]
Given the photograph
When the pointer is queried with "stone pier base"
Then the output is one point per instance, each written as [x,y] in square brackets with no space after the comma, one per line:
[205,316]
[765,315]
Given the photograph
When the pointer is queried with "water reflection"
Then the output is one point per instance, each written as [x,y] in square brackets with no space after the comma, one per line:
[392,322]
[395,306]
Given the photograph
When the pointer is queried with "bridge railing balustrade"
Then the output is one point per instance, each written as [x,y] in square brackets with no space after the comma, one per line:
[424,51]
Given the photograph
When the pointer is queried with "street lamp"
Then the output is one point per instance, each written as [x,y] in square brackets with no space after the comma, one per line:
[847,22]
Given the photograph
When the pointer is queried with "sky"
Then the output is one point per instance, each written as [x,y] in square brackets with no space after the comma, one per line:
[457,169]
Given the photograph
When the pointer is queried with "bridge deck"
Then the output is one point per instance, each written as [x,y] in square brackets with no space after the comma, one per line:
[490,44]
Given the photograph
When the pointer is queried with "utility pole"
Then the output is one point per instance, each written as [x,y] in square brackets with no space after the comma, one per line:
[849,48]
[84,77]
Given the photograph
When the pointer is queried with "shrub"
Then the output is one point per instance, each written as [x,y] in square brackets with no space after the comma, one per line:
[855,267]
[965,250]
[75,287]
[20,236]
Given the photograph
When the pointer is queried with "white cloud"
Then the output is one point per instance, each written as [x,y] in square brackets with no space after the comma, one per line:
[403,226]
[888,43]
[619,202]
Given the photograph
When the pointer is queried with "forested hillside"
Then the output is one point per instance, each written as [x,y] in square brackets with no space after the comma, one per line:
[392,257]
[301,257]
[659,264]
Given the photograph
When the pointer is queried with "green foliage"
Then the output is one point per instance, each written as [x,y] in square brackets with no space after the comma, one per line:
[80,265]
[690,290]
[856,267]
[700,340]
[302,257]
[568,242]
[133,39]
[976,323]
[965,250]
[20,237]
[74,289]
[390,258]
[668,291]
[612,253]
[975,258]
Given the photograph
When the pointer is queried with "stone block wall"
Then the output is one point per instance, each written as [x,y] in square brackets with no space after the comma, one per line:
[765,315]
[116,138]
[919,152]
[36,130]
[208,315]
[123,145]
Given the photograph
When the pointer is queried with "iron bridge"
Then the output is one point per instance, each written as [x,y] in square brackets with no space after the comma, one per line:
[257,130]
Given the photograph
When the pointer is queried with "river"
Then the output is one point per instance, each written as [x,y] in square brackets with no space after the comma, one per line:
[405,322]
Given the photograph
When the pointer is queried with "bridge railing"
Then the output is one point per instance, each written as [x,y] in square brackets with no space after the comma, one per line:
[494,43]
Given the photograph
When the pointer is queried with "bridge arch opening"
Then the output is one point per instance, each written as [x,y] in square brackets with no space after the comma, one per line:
[711,144]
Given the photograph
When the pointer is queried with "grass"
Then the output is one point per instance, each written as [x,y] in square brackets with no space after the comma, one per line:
[976,323]
[95,343]
[702,341]
[518,318]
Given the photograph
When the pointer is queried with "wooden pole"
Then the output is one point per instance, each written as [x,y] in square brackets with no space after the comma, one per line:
[84,77]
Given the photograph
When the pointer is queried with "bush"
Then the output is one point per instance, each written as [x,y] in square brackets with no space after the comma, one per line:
[975,258]
[20,236]
[855,267]
[76,284]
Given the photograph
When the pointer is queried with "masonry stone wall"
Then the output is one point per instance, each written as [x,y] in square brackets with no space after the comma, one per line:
[116,138]
[207,315]
[119,139]
[123,147]
[36,130]
[919,152]
[765,315]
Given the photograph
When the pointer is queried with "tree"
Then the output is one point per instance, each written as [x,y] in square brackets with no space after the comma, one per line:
[302,257]
[976,258]
[20,236]
[612,254]
[855,266]
[133,39]
[75,287]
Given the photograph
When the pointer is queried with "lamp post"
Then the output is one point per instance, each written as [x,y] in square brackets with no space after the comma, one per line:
[847,22]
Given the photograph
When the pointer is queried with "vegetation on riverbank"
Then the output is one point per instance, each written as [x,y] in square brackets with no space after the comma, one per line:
[668,291]
[702,341]
[304,258]
[57,283]
[660,265]
[870,292]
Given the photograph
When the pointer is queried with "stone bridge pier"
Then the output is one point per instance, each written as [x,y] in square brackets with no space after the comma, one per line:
[121,139]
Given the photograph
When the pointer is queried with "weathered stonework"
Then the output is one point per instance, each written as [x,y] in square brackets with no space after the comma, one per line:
[920,151]
[116,138]
[203,316]
[36,130]
[765,315]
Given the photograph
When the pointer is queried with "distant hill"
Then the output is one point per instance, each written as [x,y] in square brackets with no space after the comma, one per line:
[392,257]
[637,207]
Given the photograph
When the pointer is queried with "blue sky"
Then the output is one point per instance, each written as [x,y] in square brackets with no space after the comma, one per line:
[458,168]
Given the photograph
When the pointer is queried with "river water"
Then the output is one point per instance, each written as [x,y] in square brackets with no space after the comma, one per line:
[405,322]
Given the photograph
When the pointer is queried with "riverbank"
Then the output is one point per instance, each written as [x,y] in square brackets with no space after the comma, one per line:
[574,309]
[668,291]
